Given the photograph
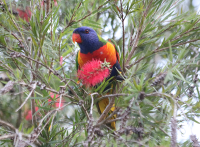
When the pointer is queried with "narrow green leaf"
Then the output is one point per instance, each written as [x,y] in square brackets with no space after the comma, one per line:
[45,108]
[170,52]
[142,79]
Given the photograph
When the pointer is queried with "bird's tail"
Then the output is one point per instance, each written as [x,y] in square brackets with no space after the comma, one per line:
[101,105]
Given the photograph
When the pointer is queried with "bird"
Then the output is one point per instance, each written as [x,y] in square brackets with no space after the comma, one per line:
[94,47]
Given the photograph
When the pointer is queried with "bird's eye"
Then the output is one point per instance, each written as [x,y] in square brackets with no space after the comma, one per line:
[87,31]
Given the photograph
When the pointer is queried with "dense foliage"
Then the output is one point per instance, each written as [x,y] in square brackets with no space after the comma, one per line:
[41,103]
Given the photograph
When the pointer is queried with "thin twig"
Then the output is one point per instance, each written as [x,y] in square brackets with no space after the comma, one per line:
[119,119]
[85,111]
[48,6]
[7,124]
[51,125]
[106,119]
[107,109]
[34,117]
[42,127]
[123,46]
[71,22]
[33,88]
[159,50]
[92,103]
[195,142]
[139,31]
[174,126]
[48,89]
[112,95]
[173,132]
[7,136]
[72,90]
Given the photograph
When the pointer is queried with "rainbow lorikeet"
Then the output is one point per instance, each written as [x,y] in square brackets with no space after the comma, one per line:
[92,46]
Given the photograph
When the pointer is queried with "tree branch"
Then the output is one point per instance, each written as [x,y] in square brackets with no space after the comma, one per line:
[139,31]
[107,109]
[7,136]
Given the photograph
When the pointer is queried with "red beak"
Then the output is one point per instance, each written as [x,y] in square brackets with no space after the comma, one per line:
[76,38]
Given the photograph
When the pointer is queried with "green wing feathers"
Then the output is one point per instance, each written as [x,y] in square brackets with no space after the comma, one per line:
[102,40]
[116,48]
[77,65]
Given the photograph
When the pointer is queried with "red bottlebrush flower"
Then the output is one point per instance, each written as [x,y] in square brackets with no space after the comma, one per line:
[25,14]
[42,3]
[61,60]
[93,72]
[52,95]
[29,114]
[57,103]
[55,3]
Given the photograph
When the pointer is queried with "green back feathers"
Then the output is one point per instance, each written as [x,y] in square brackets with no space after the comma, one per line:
[77,61]
[102,40]
[115,44]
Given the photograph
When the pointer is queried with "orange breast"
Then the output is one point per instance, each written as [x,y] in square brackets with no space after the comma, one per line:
[107,52]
